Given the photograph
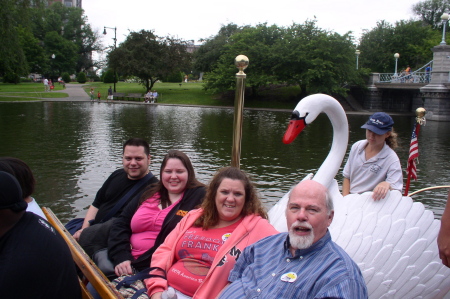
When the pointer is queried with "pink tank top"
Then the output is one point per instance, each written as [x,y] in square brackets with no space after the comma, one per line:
[146,225]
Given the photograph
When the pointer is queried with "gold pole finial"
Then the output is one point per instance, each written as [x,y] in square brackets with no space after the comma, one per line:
[241,62]
[420,113]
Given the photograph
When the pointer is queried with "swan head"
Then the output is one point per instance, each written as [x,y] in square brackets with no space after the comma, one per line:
[295,127]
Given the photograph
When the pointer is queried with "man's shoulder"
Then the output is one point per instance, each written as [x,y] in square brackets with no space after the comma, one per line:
[118,173]
[346,261]
[273,239]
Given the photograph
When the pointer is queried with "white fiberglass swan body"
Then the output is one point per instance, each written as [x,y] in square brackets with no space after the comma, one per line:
[393,240]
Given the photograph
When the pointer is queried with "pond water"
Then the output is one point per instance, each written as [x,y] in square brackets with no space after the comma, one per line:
[72,147]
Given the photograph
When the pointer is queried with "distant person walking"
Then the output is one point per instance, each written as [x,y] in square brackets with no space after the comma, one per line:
[46,88]
[428,73]
[98,96]
[91,94]
[408,73]
[110,94]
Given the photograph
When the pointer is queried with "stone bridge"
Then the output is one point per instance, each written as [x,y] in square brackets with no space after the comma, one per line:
[403,93]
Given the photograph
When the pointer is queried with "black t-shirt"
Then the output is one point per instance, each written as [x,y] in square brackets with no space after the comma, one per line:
[114,188]
[35,262]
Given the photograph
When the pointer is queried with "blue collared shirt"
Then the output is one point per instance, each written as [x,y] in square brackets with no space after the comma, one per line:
[267,269]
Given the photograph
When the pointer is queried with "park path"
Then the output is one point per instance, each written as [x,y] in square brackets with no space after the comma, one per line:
[75,92]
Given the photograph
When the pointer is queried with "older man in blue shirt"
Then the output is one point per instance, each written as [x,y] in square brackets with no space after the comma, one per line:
[304,263]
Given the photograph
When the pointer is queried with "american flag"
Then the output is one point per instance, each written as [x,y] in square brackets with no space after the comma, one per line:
[413,154]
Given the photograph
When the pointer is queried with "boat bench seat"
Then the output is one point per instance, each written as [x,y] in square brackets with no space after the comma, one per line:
[91,272]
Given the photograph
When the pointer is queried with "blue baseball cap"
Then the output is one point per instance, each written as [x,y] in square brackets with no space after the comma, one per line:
[379,123]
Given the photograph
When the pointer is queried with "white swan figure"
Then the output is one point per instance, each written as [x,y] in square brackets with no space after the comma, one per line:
[393,240]
[305,113]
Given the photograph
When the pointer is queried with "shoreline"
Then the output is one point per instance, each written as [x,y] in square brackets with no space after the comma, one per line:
[76,93]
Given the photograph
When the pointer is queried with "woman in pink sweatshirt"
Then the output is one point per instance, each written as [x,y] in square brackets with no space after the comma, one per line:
[200,252]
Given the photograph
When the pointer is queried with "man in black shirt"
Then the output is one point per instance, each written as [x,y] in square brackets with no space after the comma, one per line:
[135,160]
[35,261]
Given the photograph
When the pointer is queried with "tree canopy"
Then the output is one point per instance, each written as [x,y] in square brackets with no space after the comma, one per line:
[430,11]
[149,57]
[301,54]
[411,39]
[30,32]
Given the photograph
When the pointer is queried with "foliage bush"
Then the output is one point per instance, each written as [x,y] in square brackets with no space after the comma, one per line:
[81,78]
[66,77]
[108,76]
[11,78]
[176,77]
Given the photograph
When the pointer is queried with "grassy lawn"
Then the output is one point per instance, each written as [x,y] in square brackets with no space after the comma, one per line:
[28,92]
[193,94]
[169,93]
[275,97]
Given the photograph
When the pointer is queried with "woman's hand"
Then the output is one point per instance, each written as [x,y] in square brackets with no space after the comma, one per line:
[381,190]
[443,239]
[156,295]
[124,268]
[77,234]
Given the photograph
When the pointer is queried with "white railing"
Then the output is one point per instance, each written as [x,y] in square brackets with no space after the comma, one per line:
[415,77]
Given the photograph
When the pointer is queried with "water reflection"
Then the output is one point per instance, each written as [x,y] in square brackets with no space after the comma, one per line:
[73,147]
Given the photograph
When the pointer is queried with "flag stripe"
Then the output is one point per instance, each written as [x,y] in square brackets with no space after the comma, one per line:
[413,154]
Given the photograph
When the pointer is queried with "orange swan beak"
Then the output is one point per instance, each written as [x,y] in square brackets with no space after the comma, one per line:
[295,127]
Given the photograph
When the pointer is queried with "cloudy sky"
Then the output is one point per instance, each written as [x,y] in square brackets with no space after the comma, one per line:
[196,19]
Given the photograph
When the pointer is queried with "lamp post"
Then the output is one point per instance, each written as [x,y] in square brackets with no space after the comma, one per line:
[396,56]
[444,19]
[357,52]
[115,45]
[53,66]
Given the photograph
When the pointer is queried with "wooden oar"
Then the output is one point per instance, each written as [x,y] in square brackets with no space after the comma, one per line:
[92,273]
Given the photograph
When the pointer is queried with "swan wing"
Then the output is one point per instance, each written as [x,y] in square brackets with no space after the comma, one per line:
[395,245]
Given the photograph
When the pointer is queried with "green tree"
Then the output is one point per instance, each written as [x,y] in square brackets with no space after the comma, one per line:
[14,13]
[302,54]
[411,39]
[257,44]
[430,11]
[207,56]
[70,24]
[149,57]
[65,54]
[27,38]
[81,77]
[315,59]
[33,50]
[66,77]
[176,77]
[108,77]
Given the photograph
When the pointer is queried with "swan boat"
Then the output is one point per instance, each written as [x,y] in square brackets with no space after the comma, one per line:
[393,241]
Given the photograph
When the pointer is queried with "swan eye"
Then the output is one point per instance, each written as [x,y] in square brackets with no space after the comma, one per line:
[295,115]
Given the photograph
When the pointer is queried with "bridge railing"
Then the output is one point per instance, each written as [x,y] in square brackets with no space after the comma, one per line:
[415,77]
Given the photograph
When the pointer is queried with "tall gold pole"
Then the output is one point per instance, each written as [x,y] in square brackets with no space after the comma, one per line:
[241,62]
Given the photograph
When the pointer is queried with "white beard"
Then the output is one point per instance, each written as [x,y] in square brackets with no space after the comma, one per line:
[300,242]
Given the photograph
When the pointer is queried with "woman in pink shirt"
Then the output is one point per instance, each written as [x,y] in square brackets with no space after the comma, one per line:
[200,252]
[146,221]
